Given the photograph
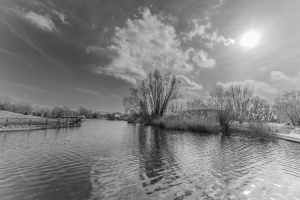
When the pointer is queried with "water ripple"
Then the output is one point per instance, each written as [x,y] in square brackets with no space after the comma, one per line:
[116,160]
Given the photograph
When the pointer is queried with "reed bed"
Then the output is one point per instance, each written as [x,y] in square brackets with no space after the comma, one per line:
[184,124]
[264,130]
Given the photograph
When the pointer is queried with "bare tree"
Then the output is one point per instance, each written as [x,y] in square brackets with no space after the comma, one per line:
[5,103]
[220,103]
[152,97]
[58,111]
[240,98]
[229,104]
[24,107]
[260,110]
[81,111]
[196,104]
[288,104]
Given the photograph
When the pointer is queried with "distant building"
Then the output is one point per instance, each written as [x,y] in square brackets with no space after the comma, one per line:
[114,116]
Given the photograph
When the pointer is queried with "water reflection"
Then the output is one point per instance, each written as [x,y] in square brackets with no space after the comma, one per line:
[158,167]
[116,160]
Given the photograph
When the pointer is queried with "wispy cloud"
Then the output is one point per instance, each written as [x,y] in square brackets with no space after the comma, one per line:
[116,96]
[23,36]
[26,87]
[192,93]
[61,16]
[39,21]
[214,38]
[17,57]
[259,88]
[210,38]
[189,86]
[87,91]
[277,76]
[202,60]
[198,30]
[216,6]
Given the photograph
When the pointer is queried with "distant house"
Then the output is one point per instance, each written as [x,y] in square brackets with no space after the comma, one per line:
[117,115]
[114,116]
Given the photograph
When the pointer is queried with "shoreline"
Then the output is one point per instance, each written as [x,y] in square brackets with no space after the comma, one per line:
[289,138]
[291,134]
[36,128]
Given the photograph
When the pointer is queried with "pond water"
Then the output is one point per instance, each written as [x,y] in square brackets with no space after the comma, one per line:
[116,160]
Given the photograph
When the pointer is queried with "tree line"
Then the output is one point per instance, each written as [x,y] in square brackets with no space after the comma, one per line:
[157,95]
[8,104]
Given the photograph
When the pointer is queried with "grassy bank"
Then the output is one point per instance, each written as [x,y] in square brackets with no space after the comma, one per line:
[16,121]
[6,114]
[176,123]
[207,125]
[257,129]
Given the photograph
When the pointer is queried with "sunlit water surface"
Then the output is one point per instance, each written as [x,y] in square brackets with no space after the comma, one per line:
[116,160]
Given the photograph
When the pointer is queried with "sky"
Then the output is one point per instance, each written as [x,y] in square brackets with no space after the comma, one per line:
[89,53]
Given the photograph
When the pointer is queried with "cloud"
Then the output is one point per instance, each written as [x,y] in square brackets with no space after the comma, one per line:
[141,46]
[216,6]
[259,88]
[277,76]
[212,38]
[201,59]
[39,21]
[87,91]
[116,96]
[61,16]
[29,87]
[189,86]
[24,37]
[18,57]
[192,93]
[187,83]
[198,30]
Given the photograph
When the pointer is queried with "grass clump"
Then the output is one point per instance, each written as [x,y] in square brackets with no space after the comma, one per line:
[184,124]
[257,129]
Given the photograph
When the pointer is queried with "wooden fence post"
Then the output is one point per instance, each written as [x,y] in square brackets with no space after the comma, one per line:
[6,122]
[57,122]
[29,122]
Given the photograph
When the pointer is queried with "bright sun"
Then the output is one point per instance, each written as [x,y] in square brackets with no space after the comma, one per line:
[250,39]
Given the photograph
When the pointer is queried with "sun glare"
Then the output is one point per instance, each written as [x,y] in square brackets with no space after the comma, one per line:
[250,39]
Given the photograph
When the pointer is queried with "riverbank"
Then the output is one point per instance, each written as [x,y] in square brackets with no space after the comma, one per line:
[18,122]
[259,129]
[24,128]
[288,132]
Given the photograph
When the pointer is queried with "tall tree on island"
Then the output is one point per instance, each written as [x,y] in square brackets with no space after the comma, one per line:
[288,105]
[230,104]
[151,98]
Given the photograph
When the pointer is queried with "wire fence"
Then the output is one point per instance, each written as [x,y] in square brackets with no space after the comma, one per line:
[41,122]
